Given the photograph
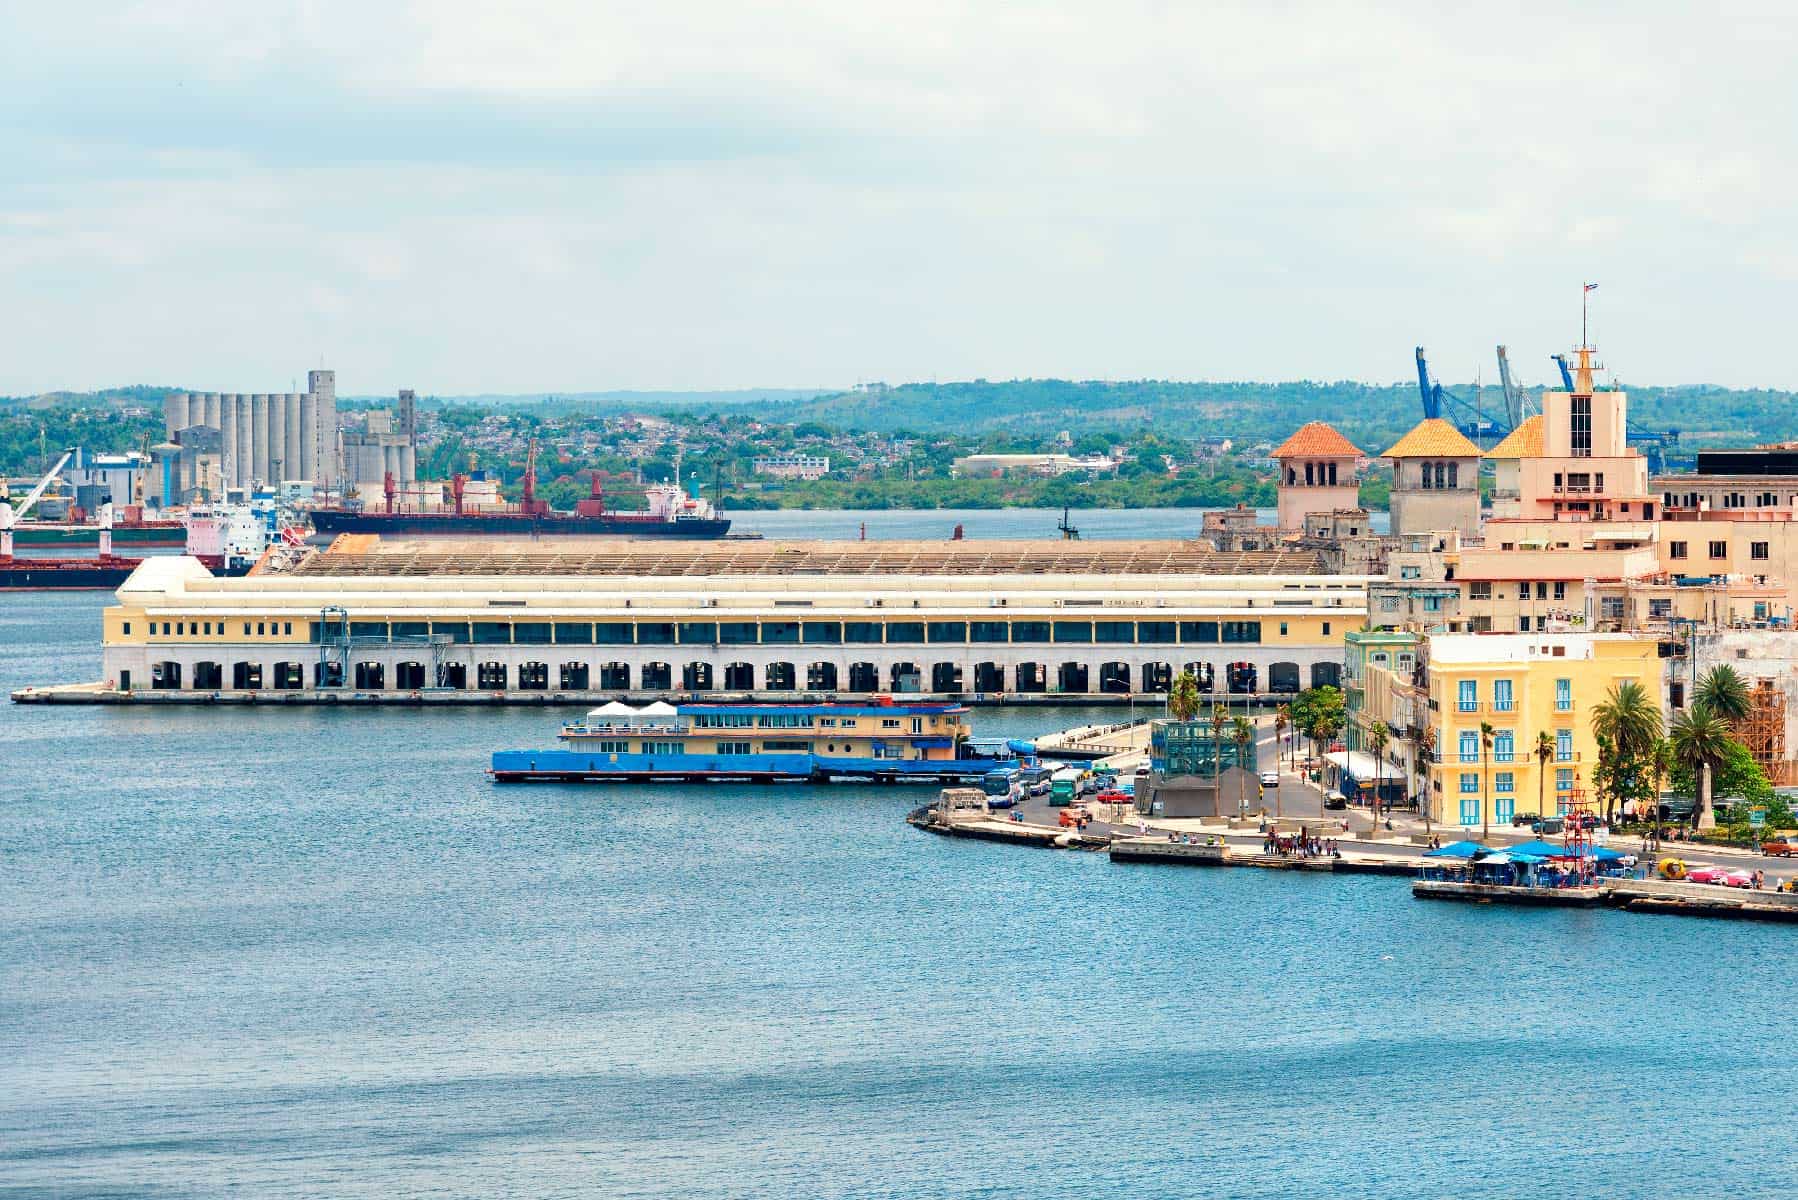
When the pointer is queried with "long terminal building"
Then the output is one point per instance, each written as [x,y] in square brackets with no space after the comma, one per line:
[983,620]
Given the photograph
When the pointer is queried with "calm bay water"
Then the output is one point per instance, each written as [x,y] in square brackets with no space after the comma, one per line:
[315,953]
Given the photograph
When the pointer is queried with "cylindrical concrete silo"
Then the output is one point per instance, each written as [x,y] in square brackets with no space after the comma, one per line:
[258,437]
[213,416]
[246,440]
[308,464]
[290,462]
[227,438]
[174,413]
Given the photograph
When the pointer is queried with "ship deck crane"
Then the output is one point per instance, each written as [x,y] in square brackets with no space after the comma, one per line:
[9,515]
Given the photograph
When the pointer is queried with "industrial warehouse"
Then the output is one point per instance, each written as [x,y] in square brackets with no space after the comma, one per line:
[989,621]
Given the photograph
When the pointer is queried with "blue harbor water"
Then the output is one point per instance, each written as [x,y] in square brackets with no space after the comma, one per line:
[303,953]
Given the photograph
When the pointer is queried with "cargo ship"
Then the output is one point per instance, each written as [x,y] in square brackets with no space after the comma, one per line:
[107,570]
[766,743]
[477,511]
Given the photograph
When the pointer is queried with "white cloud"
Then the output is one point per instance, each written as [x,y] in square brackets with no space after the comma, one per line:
[480,197]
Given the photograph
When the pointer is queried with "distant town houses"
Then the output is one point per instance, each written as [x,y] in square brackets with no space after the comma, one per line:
[792,466]
[975,465]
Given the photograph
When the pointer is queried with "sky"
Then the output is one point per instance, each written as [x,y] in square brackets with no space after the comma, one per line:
[526,197]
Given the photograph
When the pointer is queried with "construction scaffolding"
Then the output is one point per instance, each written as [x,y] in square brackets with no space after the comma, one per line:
[1763,731]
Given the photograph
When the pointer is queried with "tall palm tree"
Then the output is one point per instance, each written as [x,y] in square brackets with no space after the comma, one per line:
[1545,750]
[1426,751]
[1242,732]
[1377,738]
[1486,735]
[1183,697]
[1219,719]
[1282,718]
[1725,693]
[1698,739]
[1630,721]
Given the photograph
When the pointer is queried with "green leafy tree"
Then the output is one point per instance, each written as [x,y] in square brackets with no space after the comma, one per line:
[1242,732]
[1698,737]
[1545,750]
[1183,697]
[1724,692]
[1487,736]
[1627,723]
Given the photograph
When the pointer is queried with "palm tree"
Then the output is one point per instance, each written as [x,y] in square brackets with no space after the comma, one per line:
[1486,735]
[1426,750]
[1183,697]
[1699,739]
[1724,693]
[1631,723]
[1242,732]
[1219,719]
[1377,738]
[1545,750]
[1282,718]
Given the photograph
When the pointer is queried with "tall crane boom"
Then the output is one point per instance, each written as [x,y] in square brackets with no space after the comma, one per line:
[1432,392]
[31,497]
[1513,393]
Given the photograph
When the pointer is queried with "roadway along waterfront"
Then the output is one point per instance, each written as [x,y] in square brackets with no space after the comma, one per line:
[294,953]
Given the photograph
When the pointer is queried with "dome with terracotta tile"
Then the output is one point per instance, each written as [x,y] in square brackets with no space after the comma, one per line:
[1433,437]
[1317,439]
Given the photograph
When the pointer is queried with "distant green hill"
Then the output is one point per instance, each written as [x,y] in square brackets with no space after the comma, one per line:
[1372,416]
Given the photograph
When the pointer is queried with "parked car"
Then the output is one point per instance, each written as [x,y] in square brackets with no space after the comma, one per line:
[1335,800]
[1270,779]
[1781,845]
[1706,874]
[1541,825]
[1738,878]
[1114,796]
[1523,819]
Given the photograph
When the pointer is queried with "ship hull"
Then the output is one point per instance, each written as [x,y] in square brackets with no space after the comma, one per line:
[580,766]
[330,522]
[162,534]
[64,574]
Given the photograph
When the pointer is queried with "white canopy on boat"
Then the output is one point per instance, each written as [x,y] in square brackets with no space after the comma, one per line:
[661,708]
[616,708]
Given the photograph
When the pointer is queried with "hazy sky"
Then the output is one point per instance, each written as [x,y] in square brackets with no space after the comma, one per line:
[518,197]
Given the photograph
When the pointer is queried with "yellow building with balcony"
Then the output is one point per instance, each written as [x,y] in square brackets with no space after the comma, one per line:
[1522,685]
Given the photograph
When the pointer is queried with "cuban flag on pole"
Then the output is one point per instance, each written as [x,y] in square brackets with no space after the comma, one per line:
[1591,287]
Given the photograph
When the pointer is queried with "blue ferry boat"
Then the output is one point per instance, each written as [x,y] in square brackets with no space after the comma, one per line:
[884,741]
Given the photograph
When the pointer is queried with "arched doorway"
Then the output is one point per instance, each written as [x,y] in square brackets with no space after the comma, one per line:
[1072,677]
[989,677]
[907,678]
[656,677]
[1283,677]
[449,675]
[246,677]
[864,677]
[1326,674]
[739,677]
[533,677]
[615,677]
[208,676]
[575,676]
[1157,677]
[370,677]
[696,677]
[821,677]
[945,677]
[409,676]
[1114,678]
[1242,678]
[1032,677]
[778,677]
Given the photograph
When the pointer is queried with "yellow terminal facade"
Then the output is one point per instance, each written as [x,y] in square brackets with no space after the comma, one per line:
[1522,685]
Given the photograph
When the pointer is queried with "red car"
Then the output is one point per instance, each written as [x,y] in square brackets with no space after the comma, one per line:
[1115,797]
[1738,879]
[1707,875]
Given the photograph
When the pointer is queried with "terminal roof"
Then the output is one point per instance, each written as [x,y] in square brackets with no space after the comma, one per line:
[643,557]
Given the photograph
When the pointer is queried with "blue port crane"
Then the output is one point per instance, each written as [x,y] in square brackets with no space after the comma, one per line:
[1485,431]
[1654,443]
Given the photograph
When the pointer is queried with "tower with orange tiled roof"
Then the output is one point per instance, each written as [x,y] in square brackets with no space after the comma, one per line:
[1320,472]
[1435,480]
